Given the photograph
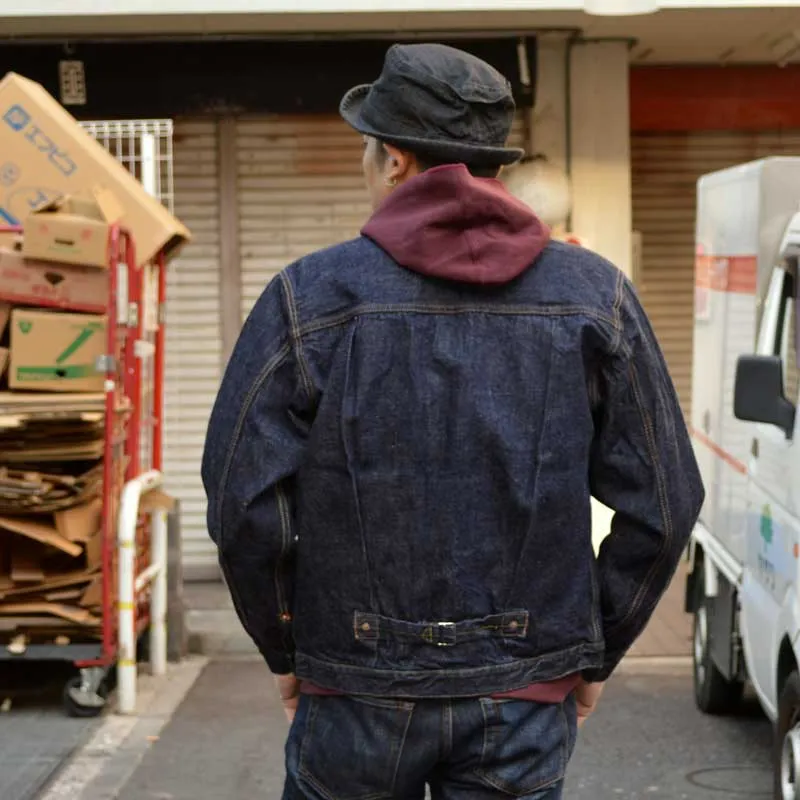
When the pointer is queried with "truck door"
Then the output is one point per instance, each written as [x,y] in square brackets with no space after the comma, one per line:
[772,507]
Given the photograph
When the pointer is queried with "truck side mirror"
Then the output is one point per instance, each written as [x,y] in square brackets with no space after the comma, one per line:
[758,395]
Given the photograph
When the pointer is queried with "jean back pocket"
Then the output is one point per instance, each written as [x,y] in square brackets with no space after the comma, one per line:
[352,746]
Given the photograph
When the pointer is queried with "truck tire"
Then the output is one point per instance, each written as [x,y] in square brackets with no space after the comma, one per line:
[713,692]
[787,741]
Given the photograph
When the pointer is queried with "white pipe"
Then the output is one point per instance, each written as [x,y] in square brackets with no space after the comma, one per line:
[126,545]
[149,166]
[143,579]
[158,594]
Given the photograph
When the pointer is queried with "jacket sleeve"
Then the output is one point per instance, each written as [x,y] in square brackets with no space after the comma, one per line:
[643,468]
[255,446]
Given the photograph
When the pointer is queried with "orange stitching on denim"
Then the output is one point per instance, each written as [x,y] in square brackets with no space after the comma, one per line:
[371,309]
[269,368]
[302,364]
[666,516]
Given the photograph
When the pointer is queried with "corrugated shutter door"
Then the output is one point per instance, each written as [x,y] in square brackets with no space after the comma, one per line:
[665,170]
[300,189]
[193,348]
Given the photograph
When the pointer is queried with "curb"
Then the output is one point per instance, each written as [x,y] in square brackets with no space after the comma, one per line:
[643,665]
[100,769]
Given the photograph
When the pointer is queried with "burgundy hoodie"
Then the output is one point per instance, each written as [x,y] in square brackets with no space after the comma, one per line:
[447,224]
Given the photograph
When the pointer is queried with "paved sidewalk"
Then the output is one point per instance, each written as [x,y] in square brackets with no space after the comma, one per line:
[36,736]
[670,630]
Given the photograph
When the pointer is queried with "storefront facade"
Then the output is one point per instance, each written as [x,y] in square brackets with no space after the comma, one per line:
[686,122]
[265,171]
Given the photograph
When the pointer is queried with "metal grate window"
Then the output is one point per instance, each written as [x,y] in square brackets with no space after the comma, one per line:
[144,147]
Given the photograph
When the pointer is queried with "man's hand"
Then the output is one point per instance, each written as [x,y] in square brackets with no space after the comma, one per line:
[587,696]
[289,688]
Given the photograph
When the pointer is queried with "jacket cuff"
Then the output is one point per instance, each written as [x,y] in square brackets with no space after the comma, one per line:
[279,663]
[602,674]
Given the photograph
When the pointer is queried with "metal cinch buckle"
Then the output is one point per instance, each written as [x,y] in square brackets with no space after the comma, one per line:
[450,627]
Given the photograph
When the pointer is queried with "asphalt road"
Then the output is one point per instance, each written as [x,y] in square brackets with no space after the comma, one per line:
[647,741]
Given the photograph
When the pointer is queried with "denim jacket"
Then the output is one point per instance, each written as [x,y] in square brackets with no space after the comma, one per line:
[399,470]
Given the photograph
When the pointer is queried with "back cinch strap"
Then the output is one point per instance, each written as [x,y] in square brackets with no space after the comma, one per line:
[374,627]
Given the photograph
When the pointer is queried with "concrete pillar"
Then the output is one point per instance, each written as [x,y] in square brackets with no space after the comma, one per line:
[549,116]
[599,129]
[600,168]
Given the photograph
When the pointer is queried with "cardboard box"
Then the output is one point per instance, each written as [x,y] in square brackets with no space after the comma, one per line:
[26,566]
[46,154]
[69,613]
[94,552]
[39,532]
[76,578]
[3,361]
[23,491]
[56,352]
[73,229]
[10,240]
[41,283]
[80,523]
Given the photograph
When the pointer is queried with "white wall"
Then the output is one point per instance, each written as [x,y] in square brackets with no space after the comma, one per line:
[600,167]
[600,148]
[550,114]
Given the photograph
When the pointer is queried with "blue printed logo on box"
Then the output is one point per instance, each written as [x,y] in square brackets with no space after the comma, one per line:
[16,118]
[21,121]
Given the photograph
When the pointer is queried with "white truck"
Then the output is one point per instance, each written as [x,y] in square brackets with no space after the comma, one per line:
[744,578]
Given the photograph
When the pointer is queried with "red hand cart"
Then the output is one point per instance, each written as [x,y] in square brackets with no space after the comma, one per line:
[133,366]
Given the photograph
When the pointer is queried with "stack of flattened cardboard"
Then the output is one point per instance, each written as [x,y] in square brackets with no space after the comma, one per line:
[67,193]
[52,443]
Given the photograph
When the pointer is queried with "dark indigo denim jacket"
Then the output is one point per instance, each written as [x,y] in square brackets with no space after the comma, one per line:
[399,473]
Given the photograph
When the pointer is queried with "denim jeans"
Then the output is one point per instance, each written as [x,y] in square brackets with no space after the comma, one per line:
[358,748]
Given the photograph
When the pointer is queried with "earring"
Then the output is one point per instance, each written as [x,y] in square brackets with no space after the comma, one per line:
[390,182]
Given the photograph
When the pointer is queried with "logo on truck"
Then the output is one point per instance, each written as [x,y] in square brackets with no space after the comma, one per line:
[766,567]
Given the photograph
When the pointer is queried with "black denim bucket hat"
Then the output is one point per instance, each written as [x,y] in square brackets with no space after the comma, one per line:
[437,102]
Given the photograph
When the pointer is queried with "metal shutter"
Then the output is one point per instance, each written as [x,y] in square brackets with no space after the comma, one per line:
[193,348]
[300,189]
[665,169]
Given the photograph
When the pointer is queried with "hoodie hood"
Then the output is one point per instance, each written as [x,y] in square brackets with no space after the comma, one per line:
[447,224]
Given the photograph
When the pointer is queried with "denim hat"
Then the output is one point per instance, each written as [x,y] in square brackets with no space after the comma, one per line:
[437,102]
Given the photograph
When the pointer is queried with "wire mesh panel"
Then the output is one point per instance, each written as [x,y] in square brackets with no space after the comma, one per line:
[144,147]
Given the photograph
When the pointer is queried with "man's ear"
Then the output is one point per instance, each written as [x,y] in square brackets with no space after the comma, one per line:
[400,164]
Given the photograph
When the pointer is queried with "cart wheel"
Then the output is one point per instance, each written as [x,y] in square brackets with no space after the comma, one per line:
[78,703]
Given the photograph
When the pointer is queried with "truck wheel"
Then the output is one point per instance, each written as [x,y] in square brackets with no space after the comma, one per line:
[713,693]
[787,741]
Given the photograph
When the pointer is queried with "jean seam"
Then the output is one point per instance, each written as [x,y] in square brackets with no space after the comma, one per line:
[286,544]
[402,746]
[548,407]
[296,336]
[619,291]
[666,516]
[258,384]
[487,707]
[471,673]
[373,309]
